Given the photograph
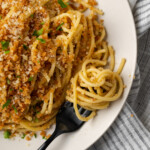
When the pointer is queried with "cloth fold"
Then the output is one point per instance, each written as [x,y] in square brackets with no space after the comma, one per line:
[131,130]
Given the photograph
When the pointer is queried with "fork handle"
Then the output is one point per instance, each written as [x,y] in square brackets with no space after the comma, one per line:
[48,141]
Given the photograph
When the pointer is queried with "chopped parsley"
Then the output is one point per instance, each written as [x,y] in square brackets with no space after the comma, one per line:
[41,40]
[62,4]
[38,32]
[0,17]
[44,138]
[7,134]
[30,79]
[6,52]
[25,46]
[38,61]
[42,23]
[5,45]
[8,81]
[23,136]
[59,27]
[6,104]
[32,16]
[10,89]
[21,90]
[15,109]
[35,135]
[17,76]
[36,120]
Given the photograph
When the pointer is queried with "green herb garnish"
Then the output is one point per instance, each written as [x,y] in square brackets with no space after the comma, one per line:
[38,61]
[23,136]
[8,81]
[42,23]
[6,52]
[0,17]
[5,45]
[7,134]
[6,104]
[30,79]
[17,76]
[41,40]
[25,46]
[10,89]
[44,138]
[36,120]
[62,4]
[38,32]
[32,16]
[59,27]
[15,109]
[35,135]
[21,90]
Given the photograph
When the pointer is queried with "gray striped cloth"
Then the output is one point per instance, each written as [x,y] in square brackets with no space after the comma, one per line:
[131,130]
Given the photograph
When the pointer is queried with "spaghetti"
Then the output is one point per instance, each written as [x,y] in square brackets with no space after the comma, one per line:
[44,44]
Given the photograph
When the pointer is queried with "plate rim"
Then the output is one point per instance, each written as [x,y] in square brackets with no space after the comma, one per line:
[99,135]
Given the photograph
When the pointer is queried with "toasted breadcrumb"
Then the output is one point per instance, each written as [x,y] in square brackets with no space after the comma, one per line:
[43,133]
[132,115]
[28,138]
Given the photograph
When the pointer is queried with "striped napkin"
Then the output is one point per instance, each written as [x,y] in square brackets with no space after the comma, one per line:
[131,130]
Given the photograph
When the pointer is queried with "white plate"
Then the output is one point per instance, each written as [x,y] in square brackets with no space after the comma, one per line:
[121,34]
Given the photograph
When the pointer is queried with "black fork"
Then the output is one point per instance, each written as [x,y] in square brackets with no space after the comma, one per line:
[66,121]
